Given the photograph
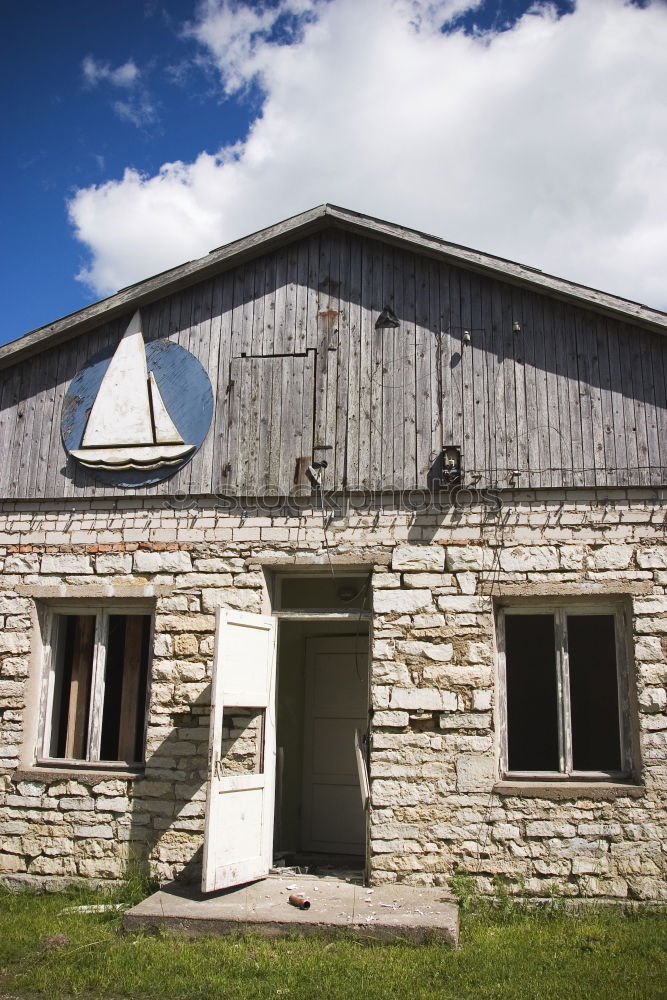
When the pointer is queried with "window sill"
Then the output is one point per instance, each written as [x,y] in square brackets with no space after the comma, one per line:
[47,772]
[561,790]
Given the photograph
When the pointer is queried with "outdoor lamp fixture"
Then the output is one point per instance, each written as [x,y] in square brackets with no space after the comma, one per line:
[466,337]
[314,473]
[516,326]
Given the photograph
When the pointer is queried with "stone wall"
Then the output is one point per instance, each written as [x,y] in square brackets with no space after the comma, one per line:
[436,799]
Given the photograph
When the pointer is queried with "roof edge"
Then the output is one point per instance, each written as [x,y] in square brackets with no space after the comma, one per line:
[150,289]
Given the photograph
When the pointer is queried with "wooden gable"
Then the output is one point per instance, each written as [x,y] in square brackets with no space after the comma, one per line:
[537,389]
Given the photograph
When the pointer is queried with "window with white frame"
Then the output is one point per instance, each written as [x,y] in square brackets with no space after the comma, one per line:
[95,684]
[564,676]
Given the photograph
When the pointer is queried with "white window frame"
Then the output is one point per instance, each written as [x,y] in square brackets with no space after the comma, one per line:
[102,611]
[560,611]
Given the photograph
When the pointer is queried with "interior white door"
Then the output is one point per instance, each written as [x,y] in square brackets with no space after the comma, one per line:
[336,707]
[238,831]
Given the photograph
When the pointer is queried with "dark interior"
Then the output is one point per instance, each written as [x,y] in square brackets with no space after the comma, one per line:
[594,693]
[532,713]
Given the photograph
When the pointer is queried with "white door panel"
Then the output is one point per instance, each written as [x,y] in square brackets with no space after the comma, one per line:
[238,828]
[333,816]
[337,820]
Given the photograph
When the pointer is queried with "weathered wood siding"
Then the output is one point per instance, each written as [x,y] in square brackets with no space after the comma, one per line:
[297,368]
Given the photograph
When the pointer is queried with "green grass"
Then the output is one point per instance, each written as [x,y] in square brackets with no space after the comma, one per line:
[506,953]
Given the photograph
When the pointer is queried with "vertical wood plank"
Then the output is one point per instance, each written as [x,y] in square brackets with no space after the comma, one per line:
[449,353]
[290,294]
[543,409]
[27,442]
[79,688]
[180,321]
[352,266]
[520,338]
[279,345]
[271,265]
[97,687]
[242,306]
[333,320]
[292,420]
[497,367]
[433,388]
[617,405]
[562,475]
[424,366]
[387,372]
[376,410]
[319,325]
[273,383]
[77,480]
[334,359]
[509,392]
[214,450]
[626,374]
[659,365]
[201,345]
[405,468]
[367,385]
[42,398]
[572,377]
[42,430]
[486,377]
[11,389]
[590,432]
[478,349]
[301,339]
[638,346]
[609,473]
[467,401]
[307,420]
[553,414]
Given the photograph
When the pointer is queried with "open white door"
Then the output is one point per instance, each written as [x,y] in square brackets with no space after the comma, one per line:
[238,831]
[362,769]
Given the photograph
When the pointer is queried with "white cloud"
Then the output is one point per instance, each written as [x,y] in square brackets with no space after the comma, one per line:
[237,35]
[546,143]
[137,105]
[140,110]
[94,72]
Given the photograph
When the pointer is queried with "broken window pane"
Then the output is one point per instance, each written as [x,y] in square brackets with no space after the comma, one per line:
[593,693]
[344,593]
[125,687]
[99,684]
[242,749]
[562,691]
[74,670]
[532,710]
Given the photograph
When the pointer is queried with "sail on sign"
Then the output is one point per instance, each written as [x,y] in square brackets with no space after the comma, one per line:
[127,426]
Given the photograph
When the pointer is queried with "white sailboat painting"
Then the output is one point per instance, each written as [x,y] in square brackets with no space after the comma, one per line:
[128,426]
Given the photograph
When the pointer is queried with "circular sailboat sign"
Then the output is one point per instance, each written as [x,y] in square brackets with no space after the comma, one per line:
[135,416]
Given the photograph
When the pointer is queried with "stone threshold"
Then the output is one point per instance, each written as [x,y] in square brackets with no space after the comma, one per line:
[339,908]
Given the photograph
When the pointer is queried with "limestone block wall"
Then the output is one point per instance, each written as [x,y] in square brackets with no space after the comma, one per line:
[437,802]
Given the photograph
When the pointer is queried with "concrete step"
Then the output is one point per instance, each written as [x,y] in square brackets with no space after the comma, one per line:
[338,907]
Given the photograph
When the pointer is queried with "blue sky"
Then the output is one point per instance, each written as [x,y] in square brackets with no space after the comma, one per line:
[142,134]
[61,133]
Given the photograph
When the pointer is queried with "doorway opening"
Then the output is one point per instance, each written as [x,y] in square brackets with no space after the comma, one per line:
[322,725]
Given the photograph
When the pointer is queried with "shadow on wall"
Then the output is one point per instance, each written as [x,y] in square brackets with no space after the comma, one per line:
[169,802]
